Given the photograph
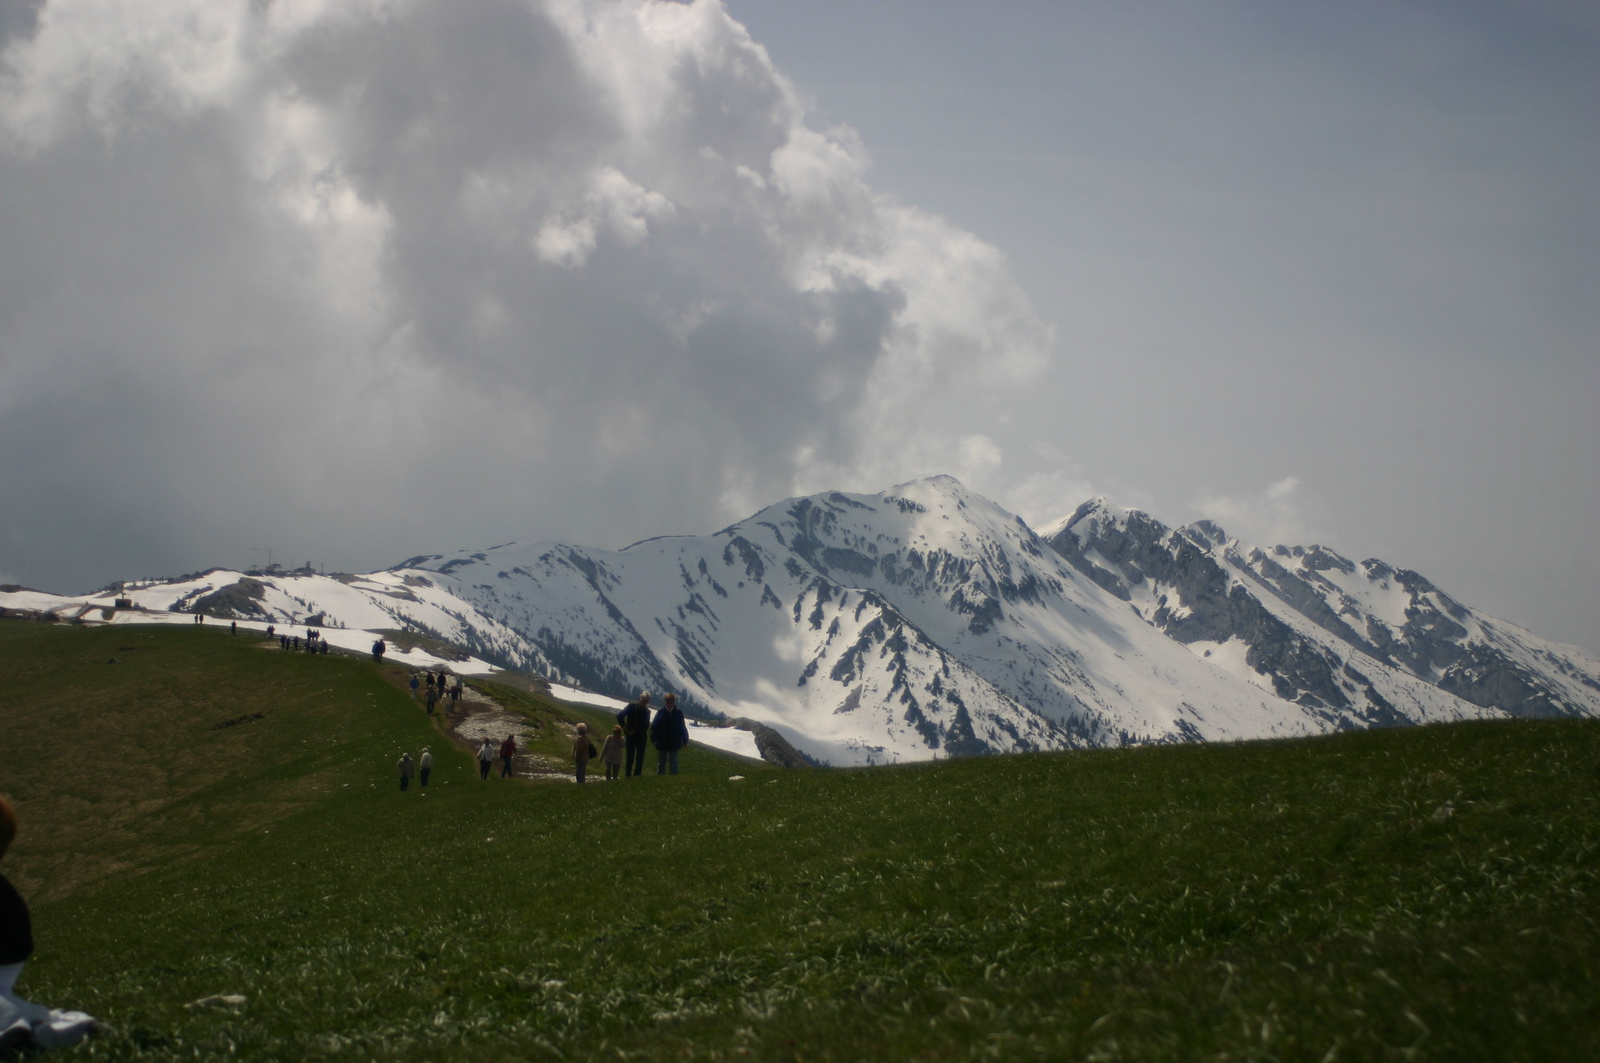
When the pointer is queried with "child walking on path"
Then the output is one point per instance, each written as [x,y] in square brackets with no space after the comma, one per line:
[24,1024]
[612,753]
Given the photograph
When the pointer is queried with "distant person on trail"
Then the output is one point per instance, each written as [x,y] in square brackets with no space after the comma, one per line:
[669,733]
[433,698]
[233,627]
[611,753]
[424,767]
[271,630]
[199,617]
[635,722]
[582,750]
[455,695]
[25,1025]
[485,759]
[508,749]
[377,650]
[415,686]
[405,770]
[322,647]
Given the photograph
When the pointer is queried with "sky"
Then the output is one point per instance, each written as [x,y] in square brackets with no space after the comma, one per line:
[356,280]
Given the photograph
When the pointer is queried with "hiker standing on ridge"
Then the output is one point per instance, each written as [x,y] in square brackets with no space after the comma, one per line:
[377,650]
[485,759]
[669,733]
[635,721]
[508,749]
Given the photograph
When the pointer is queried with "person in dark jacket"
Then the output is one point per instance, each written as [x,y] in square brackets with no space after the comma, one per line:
[669,733]
[508,749]
[635,721]
[23,1024]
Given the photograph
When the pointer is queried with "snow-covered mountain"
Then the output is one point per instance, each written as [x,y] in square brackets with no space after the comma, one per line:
[1310,619]
[926,621]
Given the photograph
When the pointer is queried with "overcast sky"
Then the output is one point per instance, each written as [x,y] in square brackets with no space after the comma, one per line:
[362,279]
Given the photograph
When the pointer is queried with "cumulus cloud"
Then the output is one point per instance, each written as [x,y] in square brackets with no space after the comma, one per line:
[361,277]
[1278,514]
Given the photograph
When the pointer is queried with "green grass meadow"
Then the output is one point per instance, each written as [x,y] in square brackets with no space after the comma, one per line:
[212,817]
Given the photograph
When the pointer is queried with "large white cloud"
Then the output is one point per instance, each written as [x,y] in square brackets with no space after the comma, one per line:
[365,277]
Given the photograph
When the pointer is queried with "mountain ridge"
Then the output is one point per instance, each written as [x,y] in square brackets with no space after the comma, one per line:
[926,621]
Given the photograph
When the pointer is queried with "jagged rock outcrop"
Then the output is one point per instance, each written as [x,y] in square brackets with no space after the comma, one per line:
[1204,586]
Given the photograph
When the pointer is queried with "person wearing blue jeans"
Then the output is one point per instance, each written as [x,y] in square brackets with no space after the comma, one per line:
[670,733]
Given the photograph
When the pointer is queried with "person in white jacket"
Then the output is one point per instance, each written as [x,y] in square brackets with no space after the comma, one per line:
[485,759]
[424,767]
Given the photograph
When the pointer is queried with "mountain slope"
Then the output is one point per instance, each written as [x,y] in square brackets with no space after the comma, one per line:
[926,621]
[918,622]
[1316,625]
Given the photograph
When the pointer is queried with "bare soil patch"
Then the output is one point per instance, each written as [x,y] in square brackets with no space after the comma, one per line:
[479,716]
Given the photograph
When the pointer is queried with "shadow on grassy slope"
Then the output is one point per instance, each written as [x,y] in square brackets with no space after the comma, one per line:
[1423,894]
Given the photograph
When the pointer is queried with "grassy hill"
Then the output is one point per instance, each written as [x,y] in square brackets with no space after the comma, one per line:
[211,817]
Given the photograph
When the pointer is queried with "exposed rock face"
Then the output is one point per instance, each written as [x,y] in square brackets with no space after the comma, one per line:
[773,747]
[1206,586]
[238,601]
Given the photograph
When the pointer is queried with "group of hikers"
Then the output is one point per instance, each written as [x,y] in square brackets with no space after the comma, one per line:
[668,732]
[622,753]
[439,688]
[313,642]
